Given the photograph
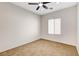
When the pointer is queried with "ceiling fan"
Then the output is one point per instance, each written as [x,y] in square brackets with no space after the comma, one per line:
[40,4]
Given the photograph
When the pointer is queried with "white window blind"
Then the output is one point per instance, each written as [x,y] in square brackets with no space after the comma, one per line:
[54,26]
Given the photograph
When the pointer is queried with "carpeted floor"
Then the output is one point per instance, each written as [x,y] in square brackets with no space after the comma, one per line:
[42,48]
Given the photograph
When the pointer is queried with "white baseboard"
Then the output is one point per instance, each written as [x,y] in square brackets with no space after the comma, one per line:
[31,40]
[20,44]
[57,41]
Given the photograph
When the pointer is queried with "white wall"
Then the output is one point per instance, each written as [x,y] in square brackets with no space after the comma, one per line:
[68,25]
[17,26]
[77,28]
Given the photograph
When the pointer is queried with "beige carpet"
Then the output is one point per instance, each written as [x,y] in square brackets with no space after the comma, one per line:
[42,48]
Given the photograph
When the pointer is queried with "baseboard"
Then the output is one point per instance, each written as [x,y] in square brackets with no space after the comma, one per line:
[34,39]
[57,41]
[26,42]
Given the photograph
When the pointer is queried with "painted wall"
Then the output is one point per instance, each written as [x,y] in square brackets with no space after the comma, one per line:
[17,26]
[77,28]
[68,26]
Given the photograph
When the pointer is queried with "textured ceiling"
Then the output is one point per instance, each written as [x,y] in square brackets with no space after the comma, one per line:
[42,11]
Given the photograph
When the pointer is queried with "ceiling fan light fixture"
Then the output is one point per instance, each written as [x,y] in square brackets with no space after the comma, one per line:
[40,4]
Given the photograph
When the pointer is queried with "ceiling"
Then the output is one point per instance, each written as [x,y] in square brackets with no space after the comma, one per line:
[42,11]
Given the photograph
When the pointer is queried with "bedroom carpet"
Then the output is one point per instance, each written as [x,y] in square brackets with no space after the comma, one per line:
[42,48]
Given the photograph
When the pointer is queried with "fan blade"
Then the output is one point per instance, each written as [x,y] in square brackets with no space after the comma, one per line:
[33,3]
[46,2]
[37,7]
[45,7]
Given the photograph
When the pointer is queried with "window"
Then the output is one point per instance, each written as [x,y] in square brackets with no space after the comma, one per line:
[54,26]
